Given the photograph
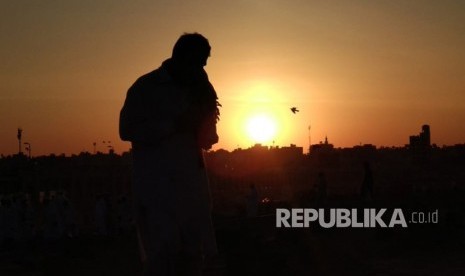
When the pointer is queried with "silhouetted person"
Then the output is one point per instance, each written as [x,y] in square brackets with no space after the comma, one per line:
[321,187]
[170,117]
[7,219]
[101,212]
[51,230]
[69,221]
[27,218]
[124,218]
[367,184]
[252,202]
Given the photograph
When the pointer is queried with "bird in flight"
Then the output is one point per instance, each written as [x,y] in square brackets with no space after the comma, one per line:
[294,110]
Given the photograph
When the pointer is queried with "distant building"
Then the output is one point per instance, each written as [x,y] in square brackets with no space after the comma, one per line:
[322,147]
[288,154]
[324,154]
[421,141]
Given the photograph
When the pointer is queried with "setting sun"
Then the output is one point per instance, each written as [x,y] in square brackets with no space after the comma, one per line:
[261,128]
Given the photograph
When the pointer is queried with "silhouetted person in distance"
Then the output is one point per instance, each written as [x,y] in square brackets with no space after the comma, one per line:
[170,117]
[252,202]
[321,188]
[101,213]
[367,184]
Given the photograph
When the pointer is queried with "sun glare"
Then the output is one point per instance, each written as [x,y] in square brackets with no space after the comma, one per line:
[261,128]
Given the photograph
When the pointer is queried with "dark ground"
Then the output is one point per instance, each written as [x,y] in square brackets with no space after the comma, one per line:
[256,247]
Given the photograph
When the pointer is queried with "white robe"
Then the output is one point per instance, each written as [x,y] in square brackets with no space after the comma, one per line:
[170,184]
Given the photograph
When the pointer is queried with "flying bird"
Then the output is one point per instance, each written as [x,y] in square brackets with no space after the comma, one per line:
[294,110]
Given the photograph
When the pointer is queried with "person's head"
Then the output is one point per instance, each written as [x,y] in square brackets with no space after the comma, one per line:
[191,49]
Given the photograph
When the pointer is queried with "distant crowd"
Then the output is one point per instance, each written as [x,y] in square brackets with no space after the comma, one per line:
[52,217]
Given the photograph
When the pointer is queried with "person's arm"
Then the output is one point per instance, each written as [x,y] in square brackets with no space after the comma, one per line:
[136,124]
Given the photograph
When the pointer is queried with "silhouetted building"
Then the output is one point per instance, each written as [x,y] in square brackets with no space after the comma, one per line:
[421,141]
[322,147]
[324,153]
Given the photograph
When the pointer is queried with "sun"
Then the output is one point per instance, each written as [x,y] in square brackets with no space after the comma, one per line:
[261,128]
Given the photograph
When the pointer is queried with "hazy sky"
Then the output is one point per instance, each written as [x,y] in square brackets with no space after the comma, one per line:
[359,71]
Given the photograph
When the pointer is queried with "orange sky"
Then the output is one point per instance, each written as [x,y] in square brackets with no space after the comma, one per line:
[359,71]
